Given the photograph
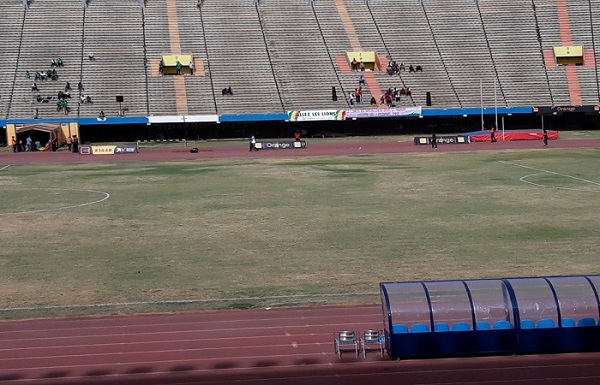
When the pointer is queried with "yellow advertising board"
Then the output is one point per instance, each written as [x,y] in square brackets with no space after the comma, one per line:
[103,150]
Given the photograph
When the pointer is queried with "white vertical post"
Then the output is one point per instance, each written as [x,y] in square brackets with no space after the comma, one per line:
[495,107]
[481,100]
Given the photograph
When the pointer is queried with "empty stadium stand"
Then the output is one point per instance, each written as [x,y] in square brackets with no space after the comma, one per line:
[284,55]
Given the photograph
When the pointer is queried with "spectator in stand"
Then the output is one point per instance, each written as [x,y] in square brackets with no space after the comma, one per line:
[91,56]
[178,66]
[390,68]
[419,69]
[350,98]
[373,101]
[354,65]
[34,87]
[395,67]
[362,66]
[80,86]
[36,113]
[102,116]
[411,69]
[67,86]
[192,68]
[59,62]
[358,92]
[361,80]
[402,68]
[161,66]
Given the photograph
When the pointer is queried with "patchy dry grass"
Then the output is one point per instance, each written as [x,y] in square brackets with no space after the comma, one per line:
[228,228]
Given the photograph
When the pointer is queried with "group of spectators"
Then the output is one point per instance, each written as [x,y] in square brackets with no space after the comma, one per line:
[62,103]
[395,68]
[355,95]
[394,95]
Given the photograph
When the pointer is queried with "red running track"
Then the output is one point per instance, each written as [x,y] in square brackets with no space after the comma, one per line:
[292,346]
[277,346]
[319,149]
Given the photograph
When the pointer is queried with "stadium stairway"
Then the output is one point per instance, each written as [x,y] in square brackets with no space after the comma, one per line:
[302,62]
[406,33]
[52,30]
[239,58]
[119,68]
[516,52]
[9,55]
[161,89]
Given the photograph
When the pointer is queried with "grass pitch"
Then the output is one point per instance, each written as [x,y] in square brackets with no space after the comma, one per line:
[141,233]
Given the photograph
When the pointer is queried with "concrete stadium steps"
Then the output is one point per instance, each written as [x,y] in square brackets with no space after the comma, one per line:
[520,65]
[581,32]
[199,91]
[371,40]
[596,24]
[113,31]
[160,88]
[338,42]
[549,30]
[52,30]
[459,34]
[239,58]
[407,35]
[9,50]
[302,63]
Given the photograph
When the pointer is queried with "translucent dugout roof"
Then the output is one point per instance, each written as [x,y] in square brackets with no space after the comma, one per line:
[478,304]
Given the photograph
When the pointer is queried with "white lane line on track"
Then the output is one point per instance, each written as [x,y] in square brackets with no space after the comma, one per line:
[106,196]
[542,171]
[167,332]
[5,167]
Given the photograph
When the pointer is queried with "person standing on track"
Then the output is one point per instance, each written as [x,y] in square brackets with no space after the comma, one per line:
[253,144]
[545,137]
[493,133]
[433,140]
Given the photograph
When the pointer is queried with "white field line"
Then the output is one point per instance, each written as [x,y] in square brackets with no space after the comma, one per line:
[542,171]
[186,301]
[106,196]
[5,167]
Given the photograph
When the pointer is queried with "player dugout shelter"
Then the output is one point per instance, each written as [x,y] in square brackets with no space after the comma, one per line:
[491,316]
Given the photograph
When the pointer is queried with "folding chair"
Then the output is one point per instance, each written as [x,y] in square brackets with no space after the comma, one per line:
[345,340]
[372,340]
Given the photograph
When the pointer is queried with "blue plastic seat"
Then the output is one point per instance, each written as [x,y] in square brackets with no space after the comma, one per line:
[502,325]
[441,327]
[461,326]
[527,324]
[568,323]
[546,323]
[399,329]
[588,321]
[419,328]
[483,325]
